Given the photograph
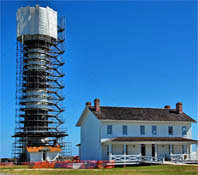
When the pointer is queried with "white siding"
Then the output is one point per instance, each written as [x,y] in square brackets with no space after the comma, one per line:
[104,152]
[90,148]
[134,149]
[148,150]
[177,149]
[36,156]
[162,150]
[117,149]
[134,129]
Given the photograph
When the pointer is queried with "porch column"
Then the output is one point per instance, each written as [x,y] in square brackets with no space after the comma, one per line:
[190,149]
[185,148]
[155,151]
[124,147]
[184,151]
[171,149]
[110,151]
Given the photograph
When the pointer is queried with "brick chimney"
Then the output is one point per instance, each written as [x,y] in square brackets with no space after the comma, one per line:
[179,107]
[97,104]
[167,107]
[88,103]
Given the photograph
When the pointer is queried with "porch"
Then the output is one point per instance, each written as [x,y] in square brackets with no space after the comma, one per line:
[134,159]
[135,152]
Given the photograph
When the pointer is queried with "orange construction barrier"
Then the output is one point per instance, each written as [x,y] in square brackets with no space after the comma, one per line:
[6,164]
[109,164]
[75,164]
[100,164]
[43,165]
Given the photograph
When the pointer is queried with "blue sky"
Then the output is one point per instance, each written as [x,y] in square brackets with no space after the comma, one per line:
[130,53]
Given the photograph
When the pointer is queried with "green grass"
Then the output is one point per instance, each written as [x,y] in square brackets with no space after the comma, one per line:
[133,170]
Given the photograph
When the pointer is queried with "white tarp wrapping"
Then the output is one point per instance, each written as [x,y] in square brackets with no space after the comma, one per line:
[36,20]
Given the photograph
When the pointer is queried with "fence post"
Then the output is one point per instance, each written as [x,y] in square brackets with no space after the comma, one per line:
[163,160]
[110,151]
[124,152]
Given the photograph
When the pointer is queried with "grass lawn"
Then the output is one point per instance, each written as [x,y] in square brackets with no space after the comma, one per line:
[135,170]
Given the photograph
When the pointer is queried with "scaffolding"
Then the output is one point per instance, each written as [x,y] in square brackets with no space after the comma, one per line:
[38,119]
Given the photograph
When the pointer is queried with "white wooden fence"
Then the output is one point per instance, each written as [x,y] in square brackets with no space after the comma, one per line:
[183,157]
[135,159]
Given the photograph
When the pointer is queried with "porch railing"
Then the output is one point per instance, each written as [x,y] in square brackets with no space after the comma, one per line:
[135,158]
[177,157]
[193,156]
[183,157]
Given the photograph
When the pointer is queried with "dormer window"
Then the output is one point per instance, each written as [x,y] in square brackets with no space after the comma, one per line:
[109,129]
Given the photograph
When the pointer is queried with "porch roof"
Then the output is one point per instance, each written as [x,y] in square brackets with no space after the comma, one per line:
[150,139]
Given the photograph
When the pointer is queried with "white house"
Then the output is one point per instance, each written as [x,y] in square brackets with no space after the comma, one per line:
[154,132]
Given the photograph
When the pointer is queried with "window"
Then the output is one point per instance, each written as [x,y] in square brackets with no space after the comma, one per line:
[142,130]
[184,130]
[109,129]
[170,130]
[124,130]
[154,130]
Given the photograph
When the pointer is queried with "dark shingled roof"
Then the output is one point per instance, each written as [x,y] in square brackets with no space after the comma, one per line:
[145,114]
[148,139]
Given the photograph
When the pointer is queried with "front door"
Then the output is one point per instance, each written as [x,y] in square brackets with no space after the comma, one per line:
[143,150]
[153,150]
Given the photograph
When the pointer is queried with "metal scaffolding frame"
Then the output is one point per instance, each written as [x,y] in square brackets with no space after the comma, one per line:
[38,120]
